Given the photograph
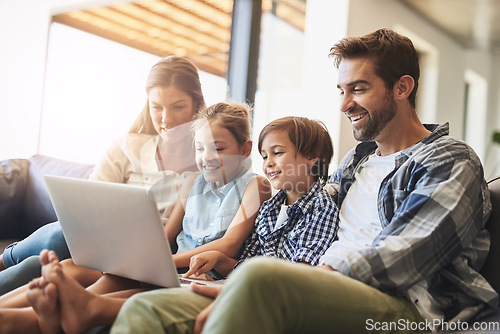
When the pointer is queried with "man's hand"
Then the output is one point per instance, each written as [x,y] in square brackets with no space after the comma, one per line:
[209,291]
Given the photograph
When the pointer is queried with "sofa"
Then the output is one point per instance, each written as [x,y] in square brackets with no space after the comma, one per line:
[24,201]
[25,205]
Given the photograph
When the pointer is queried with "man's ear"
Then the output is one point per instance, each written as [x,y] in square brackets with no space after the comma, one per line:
[247,148]
[403,87]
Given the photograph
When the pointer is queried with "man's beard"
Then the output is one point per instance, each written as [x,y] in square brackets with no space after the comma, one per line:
[376,120]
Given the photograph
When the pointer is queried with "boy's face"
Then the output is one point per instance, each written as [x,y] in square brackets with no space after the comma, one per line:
[366,101]
[284,166]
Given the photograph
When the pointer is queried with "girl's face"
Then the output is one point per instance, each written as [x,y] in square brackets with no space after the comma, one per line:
[169,107]
[284,166]
[218,154]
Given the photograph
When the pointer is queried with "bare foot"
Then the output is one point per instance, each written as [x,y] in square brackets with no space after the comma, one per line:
[75,303]
[51,266]
[42,296]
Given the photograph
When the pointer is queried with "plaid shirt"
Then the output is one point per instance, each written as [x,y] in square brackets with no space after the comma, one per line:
[310,229]
[433,208]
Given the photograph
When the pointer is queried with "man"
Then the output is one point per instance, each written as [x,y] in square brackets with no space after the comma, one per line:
[413,205]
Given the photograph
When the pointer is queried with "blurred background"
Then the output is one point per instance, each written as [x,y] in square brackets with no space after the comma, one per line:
[72,72]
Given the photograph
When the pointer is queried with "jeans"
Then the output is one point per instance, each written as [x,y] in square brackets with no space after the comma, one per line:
[20,272]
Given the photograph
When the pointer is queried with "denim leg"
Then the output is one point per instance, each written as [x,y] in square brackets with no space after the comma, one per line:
[49,236]
[19,275]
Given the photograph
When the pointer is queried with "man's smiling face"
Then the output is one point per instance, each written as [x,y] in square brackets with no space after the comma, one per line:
[366,101]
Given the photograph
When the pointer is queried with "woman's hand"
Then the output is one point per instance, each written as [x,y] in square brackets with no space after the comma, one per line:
[203,262]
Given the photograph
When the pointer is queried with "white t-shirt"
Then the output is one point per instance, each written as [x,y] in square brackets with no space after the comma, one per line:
[360,223]
[282,217]
[359,219]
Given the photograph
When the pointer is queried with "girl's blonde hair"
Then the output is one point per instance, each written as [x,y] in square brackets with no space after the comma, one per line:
[177,71]
[234,117]
[310,138]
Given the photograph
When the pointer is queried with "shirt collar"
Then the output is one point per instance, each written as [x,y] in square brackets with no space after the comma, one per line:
[437,130]
[301,204]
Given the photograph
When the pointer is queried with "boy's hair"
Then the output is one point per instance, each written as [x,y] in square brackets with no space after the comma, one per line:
[393,56]
[234,117]
[311,139]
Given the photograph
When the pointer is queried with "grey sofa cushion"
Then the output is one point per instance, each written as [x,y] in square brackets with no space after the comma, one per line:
[38,210]
[13,179]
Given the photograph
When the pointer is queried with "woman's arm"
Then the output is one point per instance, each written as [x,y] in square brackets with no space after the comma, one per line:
[240,227]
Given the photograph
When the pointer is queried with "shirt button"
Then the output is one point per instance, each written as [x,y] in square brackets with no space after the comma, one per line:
[211,224]
[199,240]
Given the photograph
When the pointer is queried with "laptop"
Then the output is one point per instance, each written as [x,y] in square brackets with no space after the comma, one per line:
[115,228]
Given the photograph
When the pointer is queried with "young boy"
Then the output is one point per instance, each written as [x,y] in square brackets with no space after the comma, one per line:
[300,222]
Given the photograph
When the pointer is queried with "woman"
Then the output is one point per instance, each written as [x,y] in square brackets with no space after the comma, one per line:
[154,152]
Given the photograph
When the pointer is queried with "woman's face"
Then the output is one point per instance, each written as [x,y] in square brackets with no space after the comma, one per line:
[169,107]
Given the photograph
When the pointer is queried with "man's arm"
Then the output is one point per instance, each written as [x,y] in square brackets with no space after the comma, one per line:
[441,214]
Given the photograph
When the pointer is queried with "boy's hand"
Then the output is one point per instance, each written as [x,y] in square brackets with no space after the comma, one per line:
[203,262]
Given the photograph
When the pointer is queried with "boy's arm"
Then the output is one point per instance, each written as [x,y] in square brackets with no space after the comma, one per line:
[257,191]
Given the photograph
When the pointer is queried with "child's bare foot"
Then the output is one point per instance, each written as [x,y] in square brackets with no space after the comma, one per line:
[51,266]
[75,303]
[42,296]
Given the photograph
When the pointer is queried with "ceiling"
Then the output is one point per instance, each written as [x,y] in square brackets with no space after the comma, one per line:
[474,24]
[197,29]
[201,29]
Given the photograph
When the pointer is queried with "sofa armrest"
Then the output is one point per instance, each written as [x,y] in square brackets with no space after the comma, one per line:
[37,208]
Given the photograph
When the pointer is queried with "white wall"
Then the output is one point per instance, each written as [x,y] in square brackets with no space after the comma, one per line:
[21,64]
[441,97]
[24,26]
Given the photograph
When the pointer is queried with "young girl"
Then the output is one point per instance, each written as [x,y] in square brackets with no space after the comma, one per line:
[300,222]
[218,214]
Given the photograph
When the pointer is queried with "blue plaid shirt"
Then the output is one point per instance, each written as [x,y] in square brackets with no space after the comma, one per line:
[310,229]
[433,208]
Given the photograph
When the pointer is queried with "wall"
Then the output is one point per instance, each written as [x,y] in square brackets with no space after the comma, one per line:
[24,26]
[22,68]
[441,96]
[447,57]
